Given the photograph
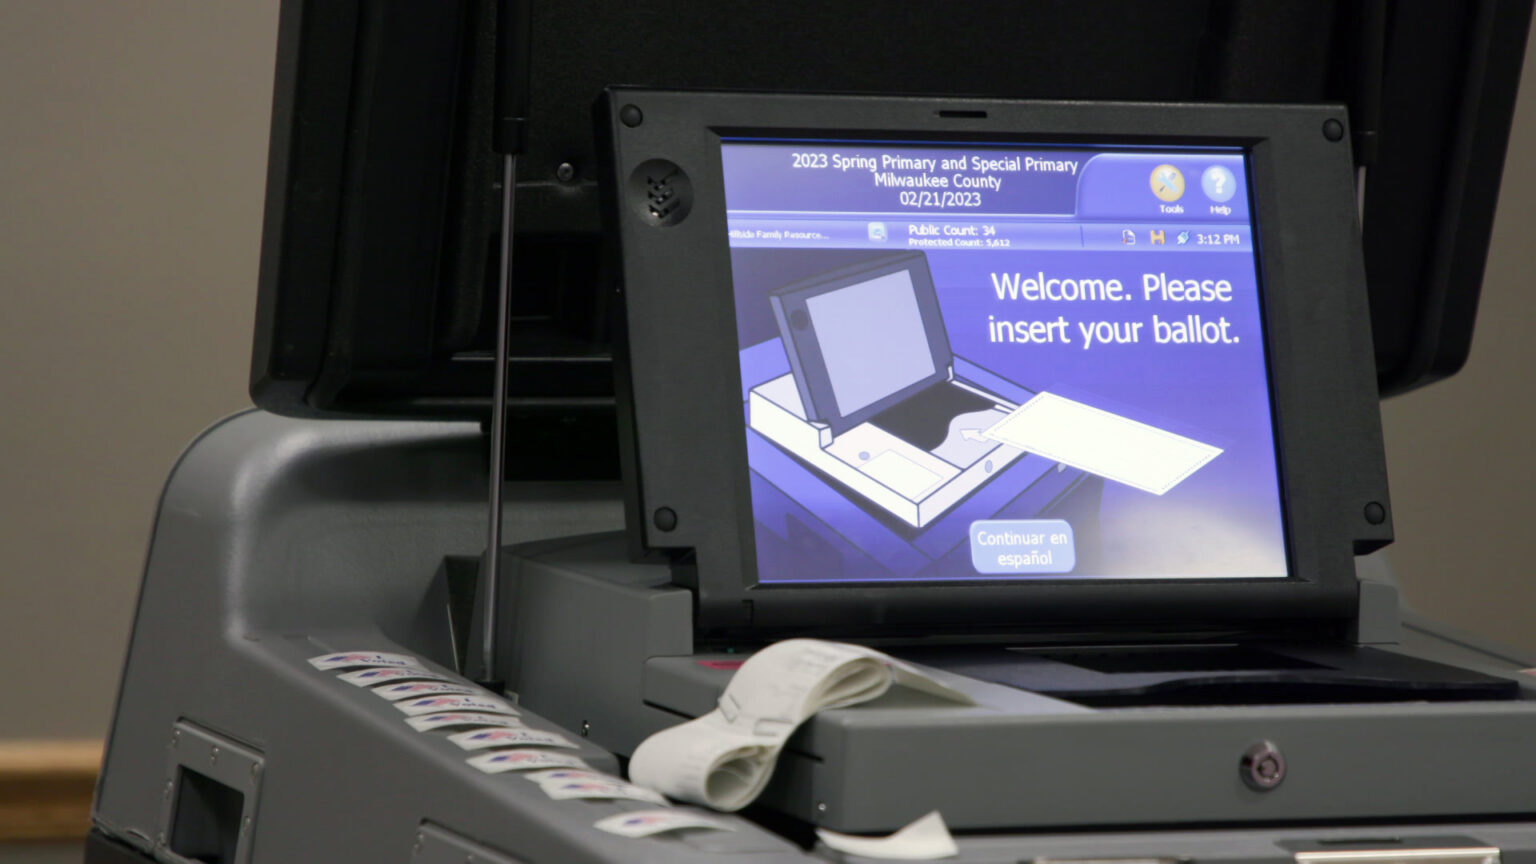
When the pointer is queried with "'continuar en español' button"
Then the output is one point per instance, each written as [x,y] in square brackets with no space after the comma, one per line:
[1007,546]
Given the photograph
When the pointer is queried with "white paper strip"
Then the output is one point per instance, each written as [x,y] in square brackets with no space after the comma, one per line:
[724,759]
[924,840]
[1114,447]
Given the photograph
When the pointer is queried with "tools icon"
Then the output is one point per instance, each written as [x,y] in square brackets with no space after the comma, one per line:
[1168,183]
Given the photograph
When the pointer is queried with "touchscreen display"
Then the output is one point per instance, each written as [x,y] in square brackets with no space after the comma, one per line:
[965,362]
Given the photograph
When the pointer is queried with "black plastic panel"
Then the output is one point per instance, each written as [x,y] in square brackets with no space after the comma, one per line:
[684,433]
[382,204]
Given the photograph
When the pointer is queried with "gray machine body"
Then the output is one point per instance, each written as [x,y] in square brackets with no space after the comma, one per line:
[1016,759]
[277,540]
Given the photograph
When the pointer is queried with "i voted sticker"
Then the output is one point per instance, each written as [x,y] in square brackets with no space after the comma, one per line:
[481,739]
[350,659]
[370,677]
[434,704]
[564,791]
[644,823]
[407,689]
[524,760]
[428,722]
[565,775]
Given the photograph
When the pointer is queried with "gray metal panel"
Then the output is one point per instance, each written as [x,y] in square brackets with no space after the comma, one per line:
[1022,761]
[876,767]
[437,845]
[1170,766]
[1378,622]
[580,625]
[279,539]
[1517,842]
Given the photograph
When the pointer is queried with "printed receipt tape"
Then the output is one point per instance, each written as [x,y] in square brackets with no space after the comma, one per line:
[924,840]
[723,759]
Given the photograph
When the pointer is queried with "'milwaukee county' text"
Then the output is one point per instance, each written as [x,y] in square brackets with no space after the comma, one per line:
[894,171]
[1193,329]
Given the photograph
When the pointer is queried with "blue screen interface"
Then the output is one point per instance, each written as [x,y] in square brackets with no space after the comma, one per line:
[970,362]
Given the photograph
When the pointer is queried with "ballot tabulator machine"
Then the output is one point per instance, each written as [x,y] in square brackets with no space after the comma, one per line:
[1049,363]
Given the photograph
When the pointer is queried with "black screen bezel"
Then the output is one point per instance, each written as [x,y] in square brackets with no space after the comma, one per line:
[684,436]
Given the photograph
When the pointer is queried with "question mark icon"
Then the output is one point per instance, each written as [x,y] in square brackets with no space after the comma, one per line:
[1218,183]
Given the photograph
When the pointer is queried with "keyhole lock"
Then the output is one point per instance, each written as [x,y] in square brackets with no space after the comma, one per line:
[1262,766]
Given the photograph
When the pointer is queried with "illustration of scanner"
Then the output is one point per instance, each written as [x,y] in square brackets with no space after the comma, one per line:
[872,399]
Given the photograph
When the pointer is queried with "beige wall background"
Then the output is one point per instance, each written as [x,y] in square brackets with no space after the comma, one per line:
[133,144]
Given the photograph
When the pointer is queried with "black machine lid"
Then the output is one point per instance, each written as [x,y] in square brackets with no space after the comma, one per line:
[379,248]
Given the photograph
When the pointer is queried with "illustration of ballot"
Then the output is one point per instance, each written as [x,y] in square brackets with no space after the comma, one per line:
[872,401]
[1098,442]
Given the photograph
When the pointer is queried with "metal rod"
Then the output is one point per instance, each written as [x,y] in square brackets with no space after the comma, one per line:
[491,568]
[1360,194]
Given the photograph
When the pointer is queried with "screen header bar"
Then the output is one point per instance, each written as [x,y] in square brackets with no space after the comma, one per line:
[780,177]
